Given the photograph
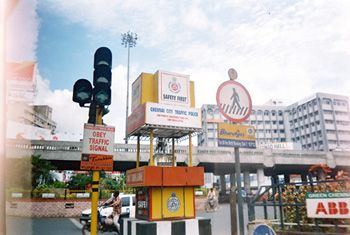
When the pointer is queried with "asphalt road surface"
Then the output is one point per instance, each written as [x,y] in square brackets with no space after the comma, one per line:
[220,221]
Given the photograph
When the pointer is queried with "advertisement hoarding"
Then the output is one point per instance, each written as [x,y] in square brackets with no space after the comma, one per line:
[233,135]
[21,82]
[328,205]
[173,89]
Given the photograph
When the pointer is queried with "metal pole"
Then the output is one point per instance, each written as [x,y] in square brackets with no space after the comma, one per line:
[239,191]
[233,210]
[151,161]
[138,152]
[127,98]
[173,151]
[190,149]
[95,184]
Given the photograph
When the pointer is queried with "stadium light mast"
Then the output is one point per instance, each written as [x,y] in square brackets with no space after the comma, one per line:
[128,40]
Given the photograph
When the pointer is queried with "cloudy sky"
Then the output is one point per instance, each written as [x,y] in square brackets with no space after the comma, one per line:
[284,50]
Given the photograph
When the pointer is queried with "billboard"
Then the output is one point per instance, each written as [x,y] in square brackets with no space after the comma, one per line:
[173,89]
[176,116]
[233,135]
[334,205]
[20,80]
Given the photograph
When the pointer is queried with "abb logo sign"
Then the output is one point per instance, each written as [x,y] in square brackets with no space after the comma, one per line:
[332,208]
[328,205]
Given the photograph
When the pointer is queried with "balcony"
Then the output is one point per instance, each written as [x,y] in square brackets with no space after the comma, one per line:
[329,126]
[331,137]
[328,116]
[344,137]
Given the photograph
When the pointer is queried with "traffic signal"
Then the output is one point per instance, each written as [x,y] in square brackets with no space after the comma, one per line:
[102,76]
[82,92]
[100,95]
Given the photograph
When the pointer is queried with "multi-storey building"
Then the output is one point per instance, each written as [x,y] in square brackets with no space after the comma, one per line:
[320,122]
[32,115]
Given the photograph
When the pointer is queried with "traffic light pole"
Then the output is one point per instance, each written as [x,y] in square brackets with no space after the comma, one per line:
[95,184]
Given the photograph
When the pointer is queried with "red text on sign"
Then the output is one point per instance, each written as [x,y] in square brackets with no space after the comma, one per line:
[340,208]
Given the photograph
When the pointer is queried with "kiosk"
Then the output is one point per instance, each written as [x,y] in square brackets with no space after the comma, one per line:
[163,108]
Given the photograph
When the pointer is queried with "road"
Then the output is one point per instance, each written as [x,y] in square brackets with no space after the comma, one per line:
[220,221]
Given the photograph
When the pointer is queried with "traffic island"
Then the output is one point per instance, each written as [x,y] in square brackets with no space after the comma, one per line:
[197,226]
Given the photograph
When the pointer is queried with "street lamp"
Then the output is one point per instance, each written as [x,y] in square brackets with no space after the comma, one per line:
[128,40]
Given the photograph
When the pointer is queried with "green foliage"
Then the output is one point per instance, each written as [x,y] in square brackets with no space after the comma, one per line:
[79,182]
[108,183]
[41,171]
[58,184]
[293,194]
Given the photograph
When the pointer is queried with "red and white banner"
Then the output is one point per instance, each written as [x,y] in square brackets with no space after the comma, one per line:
[21,81]
[98,139]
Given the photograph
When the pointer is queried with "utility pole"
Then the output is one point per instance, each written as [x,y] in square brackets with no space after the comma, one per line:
[98,96]
[128,40]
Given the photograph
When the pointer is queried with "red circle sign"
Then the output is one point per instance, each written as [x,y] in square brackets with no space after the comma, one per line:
[234,101]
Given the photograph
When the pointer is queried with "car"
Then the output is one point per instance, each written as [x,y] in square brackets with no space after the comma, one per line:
[128,209]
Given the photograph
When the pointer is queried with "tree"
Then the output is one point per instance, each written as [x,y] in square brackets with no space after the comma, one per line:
[79,181]
[41,171]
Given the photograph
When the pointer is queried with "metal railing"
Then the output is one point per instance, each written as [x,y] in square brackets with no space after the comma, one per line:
[289,213]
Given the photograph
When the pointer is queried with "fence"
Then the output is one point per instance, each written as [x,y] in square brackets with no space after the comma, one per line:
[287,204]
[59,193]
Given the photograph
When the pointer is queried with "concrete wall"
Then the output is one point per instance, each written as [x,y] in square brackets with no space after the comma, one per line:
[57,208]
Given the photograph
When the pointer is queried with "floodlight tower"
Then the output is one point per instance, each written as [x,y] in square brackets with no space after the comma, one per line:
[128,40]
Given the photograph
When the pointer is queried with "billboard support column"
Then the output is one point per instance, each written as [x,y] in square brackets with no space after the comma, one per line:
[151,162]
[190,149]
[173,151]
[138,152]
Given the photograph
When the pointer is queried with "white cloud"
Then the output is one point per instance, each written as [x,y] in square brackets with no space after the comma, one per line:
[70,118]
[281,49]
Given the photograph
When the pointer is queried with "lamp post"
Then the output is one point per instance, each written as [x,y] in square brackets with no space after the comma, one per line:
[128,40]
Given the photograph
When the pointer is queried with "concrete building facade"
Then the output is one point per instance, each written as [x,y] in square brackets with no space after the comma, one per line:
[320,122]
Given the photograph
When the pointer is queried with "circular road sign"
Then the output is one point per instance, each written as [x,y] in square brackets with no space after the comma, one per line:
[263,229]
[234,101]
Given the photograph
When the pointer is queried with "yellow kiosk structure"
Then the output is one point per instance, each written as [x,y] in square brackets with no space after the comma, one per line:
[163,107]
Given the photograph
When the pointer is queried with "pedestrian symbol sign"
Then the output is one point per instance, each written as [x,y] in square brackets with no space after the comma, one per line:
[234,101]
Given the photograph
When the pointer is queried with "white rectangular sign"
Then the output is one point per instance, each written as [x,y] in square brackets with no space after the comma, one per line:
[136,93]
[173,89]
[98,139]
[177,116]
[328,205]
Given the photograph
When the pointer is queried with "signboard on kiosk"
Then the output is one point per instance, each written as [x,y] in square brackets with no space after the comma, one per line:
[169,115]
[98,147]
[173,89]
